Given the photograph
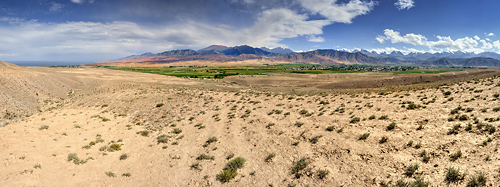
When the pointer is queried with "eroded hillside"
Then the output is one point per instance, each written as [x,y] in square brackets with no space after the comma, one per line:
[135,129]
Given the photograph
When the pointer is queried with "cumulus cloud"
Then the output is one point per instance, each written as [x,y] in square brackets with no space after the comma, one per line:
[342,13]
[496,44]
[395,37]
[276,24]
[76,40]
[404,4]
[443,43]
[389,50]
[491,34]
[485,44]
[314,38]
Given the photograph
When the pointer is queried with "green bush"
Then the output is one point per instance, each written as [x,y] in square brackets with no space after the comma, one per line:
[110,174]
[115,147]
[355,120]
[383,117]
[269,157]
[127,175]
[411,169]
[391,126]
[73,157]
[364,136]
[205,157]
[323,173]
[123,156]
[454,129]
[412,106]
[230,156]
[419,182]
[227,174]
[300,165]
[236,163]
[463,117]
[453,175]
[455,155]
[477,180]
[143,133]
[162,139]
[315,139]
[196,166]
[177,131]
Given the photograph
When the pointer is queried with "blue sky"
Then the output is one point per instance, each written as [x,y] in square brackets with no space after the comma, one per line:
[96,30]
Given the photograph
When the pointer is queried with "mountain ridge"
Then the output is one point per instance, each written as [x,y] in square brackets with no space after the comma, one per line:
[220,53]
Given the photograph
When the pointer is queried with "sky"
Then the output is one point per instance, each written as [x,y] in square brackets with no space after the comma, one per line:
[96,30]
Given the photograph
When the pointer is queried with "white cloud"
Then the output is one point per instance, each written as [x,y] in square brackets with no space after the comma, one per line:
[395,37]
[404,4]
[343,13]
[314,38]
[276,24]
[380,39]
[485,44]
[496,44]
[491,34]
[462,44]
[76,40]
[12,20]
[56,7]
[82,1]
[445,43]
[389,50]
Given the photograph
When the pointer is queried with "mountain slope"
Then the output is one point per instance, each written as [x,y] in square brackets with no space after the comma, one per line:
[278,50]
[245,49]
[217,53]
[467,62]
[329,56]
[214,49]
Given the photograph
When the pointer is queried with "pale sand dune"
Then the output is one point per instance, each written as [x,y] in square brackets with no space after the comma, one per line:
[129,101]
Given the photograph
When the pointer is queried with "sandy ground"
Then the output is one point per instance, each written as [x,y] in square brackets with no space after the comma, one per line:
[109,107]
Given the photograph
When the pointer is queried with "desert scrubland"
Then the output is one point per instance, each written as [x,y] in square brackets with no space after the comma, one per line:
[100,127]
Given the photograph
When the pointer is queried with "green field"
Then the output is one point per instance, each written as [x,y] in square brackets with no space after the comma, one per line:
[221,72]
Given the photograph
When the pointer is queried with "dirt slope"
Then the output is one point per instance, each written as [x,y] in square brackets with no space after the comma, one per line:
[120,107]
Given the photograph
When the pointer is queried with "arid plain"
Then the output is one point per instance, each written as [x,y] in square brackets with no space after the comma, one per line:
[100,127]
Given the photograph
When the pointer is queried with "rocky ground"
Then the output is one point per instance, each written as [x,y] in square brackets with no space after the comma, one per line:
[111,128]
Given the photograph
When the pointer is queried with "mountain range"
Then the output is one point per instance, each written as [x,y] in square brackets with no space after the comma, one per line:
[398,57]
[219,53]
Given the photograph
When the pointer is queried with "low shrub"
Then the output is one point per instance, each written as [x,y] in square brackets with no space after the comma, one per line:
[453,175]
[364,136]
